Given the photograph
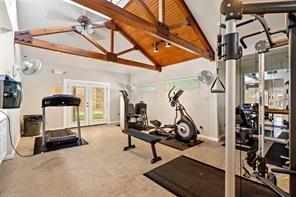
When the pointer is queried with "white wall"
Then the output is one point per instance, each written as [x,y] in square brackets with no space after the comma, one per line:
[9,55]
[200,103]
[7,59]
[42,84]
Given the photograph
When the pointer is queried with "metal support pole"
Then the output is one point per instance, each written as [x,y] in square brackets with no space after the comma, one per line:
[230,119]
[43,130]
[292,107]
[78,126]
[261,109]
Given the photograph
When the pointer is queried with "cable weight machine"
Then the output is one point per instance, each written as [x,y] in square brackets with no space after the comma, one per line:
[231,51]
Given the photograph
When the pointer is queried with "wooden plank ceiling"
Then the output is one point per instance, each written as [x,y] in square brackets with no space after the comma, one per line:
[175,13]
[145,24]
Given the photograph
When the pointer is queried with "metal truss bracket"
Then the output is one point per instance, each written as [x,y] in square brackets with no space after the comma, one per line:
[112,57]
[23,36]
[163,30]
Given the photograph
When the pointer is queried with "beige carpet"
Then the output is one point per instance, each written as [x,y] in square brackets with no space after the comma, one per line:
[98,169]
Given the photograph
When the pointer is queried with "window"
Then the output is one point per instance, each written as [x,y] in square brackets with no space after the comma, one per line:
[119,3]
[147,87]
[182,84]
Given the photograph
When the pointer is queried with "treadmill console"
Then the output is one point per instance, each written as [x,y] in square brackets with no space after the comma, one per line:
[60,100]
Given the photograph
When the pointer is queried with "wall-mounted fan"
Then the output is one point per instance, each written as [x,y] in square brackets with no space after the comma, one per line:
[131,87]
[29,67]
[206,77]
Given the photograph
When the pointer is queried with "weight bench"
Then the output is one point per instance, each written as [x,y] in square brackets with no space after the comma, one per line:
[144,137]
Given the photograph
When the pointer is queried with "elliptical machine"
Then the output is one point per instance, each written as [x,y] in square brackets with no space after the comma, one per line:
[183,129]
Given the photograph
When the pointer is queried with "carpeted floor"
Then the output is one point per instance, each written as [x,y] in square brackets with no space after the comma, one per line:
[99,169]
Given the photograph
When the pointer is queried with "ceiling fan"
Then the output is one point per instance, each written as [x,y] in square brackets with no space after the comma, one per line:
[86,24]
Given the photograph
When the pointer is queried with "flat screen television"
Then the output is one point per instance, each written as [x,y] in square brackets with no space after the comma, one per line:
[10,92]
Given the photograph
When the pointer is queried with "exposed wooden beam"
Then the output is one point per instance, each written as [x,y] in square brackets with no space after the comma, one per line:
[83,53]
[193,23]
[112,41]
[119,14]
[50,30]
[138,64]
[98,24]
[179,25]
[148,12]
[161,11]
[94,42]
[126,51]
[133,42]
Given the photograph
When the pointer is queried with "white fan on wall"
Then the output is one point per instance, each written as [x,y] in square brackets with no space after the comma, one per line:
[131,87]
[206,77]
[29,67]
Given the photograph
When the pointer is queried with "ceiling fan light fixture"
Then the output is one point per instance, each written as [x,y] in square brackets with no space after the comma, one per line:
[90,30]
[79,28]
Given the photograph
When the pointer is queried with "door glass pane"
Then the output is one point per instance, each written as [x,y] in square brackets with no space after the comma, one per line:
[98,101]
[80,93]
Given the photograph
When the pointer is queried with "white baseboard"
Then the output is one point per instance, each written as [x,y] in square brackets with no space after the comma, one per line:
[11,155]
[114,122]
[208,138]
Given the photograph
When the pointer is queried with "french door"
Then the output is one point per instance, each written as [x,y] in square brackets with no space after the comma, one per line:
[94,106]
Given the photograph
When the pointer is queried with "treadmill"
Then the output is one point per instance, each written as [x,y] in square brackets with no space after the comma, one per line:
[51,139]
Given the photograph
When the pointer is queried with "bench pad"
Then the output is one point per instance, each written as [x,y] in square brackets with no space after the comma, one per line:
[141,135]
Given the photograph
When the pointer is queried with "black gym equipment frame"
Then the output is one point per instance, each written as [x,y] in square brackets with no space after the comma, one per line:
[234,10]
[53,138]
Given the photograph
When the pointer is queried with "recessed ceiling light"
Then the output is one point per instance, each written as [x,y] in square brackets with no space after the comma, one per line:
[155,47]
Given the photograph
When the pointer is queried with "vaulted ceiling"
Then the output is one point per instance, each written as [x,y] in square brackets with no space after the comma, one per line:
[181,23]
[171,25]
[51,13]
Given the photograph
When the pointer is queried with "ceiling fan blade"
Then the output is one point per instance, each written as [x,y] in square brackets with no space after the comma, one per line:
[90,30]
[79,28]
[98,36]
[98,24]
[56,15]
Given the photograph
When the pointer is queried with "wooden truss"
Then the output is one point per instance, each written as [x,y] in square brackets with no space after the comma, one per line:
[155,27]
[28,38]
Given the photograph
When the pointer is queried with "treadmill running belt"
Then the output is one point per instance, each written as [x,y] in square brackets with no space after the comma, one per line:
[61,135]
[38,140]
[186,177]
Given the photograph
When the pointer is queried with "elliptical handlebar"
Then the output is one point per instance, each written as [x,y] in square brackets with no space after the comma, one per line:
[173,99]
[169,94]
[177,95]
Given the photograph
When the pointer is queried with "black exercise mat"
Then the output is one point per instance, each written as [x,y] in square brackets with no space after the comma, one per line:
[38,142]
[273,155]
[173,143]
[186,177]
